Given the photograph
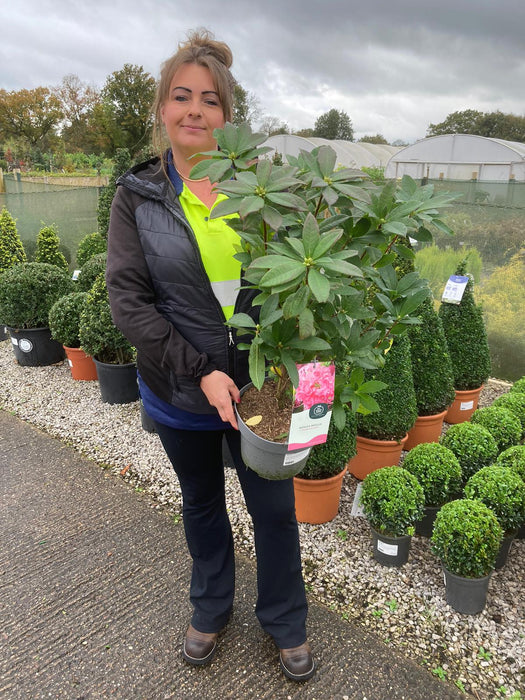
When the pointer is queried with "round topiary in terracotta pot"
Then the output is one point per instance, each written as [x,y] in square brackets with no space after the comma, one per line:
[64,324]
[502,424]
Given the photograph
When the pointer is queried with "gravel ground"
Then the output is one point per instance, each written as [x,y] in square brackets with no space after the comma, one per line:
[484,654]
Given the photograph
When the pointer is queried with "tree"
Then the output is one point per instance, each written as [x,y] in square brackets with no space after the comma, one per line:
[245,106]
[273,125]
[334,124]
[11,249]
[78,101]
[127,98]
[305,133]
[378,138]
[47,248]
[491,124]
[31,117]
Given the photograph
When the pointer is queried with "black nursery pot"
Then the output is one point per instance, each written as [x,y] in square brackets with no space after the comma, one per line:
[117,383]
[34,347]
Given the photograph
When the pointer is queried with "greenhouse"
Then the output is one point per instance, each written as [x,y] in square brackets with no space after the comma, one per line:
[349,154]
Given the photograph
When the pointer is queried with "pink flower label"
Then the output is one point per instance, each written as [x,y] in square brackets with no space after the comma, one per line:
[313,399]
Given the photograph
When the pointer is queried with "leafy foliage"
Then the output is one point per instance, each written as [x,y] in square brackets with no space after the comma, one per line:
[502,424]
[472,444]
[437,264]
[11,248]
[29,116]
[437,470]
[467,538]
[122,163]
[513,458]
[47,248]
[392,500]
[509,127]
[503,491]
[330,458]
[515,402]
[466,339]
[518,386]
[90,270]
[99,336]
[334,124]
[90,245]
[64,318]
[28,291]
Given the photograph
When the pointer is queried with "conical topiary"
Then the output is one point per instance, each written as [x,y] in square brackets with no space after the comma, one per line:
[122,163]
[466,338]
[11,249]
[47,248]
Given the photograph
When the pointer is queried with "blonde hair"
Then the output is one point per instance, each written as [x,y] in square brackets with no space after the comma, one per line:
[200,48]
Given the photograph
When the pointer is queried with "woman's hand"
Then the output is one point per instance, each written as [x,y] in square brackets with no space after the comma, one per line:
[221,390]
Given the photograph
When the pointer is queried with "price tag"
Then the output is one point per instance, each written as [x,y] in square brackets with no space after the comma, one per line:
[454,289]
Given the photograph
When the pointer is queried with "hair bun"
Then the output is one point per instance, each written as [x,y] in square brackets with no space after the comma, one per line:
[204,41]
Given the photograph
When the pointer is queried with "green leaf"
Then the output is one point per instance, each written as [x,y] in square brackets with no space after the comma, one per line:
[421,234]
[286,199]
[250,204]
[319,285]
[291,367]
[310,234]
[264,168]
[413,302]
[241,320]
[341,266]
[256,365]
[326,158]
[287,271]
[272,217]
[226,207]
[296,303]
[326,241]
[306,323]
[312,343]
[395,227]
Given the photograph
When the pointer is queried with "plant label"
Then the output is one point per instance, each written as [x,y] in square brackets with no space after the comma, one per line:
[454,289]
[357,508]
[466,405]
[313,399]
[389,549]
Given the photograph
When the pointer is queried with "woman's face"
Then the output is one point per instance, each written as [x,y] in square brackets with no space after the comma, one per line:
[192,111]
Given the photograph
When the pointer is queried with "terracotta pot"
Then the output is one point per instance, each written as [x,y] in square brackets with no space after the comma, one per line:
[80,364]
[317,500]
[374,454]
[425,429]
[463,406]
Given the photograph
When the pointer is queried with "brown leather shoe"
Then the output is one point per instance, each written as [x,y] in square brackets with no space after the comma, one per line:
[199,647]
[297,663]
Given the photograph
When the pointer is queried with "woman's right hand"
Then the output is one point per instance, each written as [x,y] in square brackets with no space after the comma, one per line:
[221,390]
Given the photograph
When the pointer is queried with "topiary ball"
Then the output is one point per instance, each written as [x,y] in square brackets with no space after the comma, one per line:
[503,491]
[90,245]
[331,457]
[472,444]
[518,386]
[91,270]
[513,458]
[437,469]
[64,319]
[503,425]
[515,402]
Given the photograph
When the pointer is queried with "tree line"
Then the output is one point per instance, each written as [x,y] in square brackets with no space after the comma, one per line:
[76,118]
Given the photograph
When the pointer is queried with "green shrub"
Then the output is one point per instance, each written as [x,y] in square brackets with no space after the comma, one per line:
[28,291]
[501,423]
[11,249]
[437,264]
[99,336]
[397,403]
[90,245]
[90,270]
[467,538]
[392,500]
[503,491]
[518,386]
[330,458]
[438,471]
[472,444]
[64,319]
[47,248]
[466,339]
[431,364]
[515,402]
[122,163]
[513,458]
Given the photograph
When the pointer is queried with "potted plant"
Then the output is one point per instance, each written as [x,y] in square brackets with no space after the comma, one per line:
[473,446]
[316,243]
[90,245]
[11,250]
[466,538]
[114,356]
[514,401]
[64,324]
[503,491]
[518,386]
[47,248]
[90,270]
[382,434]
[318,485]
[392,500]
[438,471]
[469,350]
[432,375]
[514,458]
[27,293]
[502,424]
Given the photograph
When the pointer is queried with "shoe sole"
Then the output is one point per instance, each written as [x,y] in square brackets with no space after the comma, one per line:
[198,661]
[297,676]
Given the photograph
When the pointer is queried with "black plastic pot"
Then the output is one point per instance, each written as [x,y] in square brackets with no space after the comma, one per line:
[390,551]
[425,526]
[3,332]
[504,550]
[466,595]
[118,383]
[34,347]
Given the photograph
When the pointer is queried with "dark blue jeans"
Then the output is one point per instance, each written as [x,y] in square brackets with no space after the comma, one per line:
[281,601]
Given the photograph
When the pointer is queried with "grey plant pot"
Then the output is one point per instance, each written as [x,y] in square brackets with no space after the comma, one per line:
[390,551]
[466,595]
[34,347]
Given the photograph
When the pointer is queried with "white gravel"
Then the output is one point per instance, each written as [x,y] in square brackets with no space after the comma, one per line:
[406,608]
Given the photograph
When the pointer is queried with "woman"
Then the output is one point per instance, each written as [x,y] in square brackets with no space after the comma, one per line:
[173,283]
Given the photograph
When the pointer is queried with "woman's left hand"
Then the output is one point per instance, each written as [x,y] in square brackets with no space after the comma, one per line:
[221,390]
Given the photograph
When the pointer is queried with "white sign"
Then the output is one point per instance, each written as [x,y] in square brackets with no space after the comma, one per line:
[454,289]
[357,508]
[389,549]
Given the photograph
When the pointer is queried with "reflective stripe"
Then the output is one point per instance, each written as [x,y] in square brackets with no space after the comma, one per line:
[226,292]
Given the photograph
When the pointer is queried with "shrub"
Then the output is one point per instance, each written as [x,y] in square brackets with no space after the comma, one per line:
[11,249]
[392,500]
[467,538]
[90,245]
[437,264]
[47,248]
[466,339]
[503,491]
[518,386]
[99,336]
[28,291]
[330,458]
[472,444]
[502,424]
[513,458]
[515,402]
[90,270]
[122,163]
[397,403]
[437,469]
[64,319]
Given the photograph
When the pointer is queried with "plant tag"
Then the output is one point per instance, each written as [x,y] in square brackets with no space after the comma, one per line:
[357,508]
[14,341]
[466,405]
[70,363]
[75,275]
[313,399]
[454,289]
[389,549]
[293,457]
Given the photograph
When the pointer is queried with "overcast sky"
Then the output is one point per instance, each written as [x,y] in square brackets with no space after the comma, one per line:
[394,66]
